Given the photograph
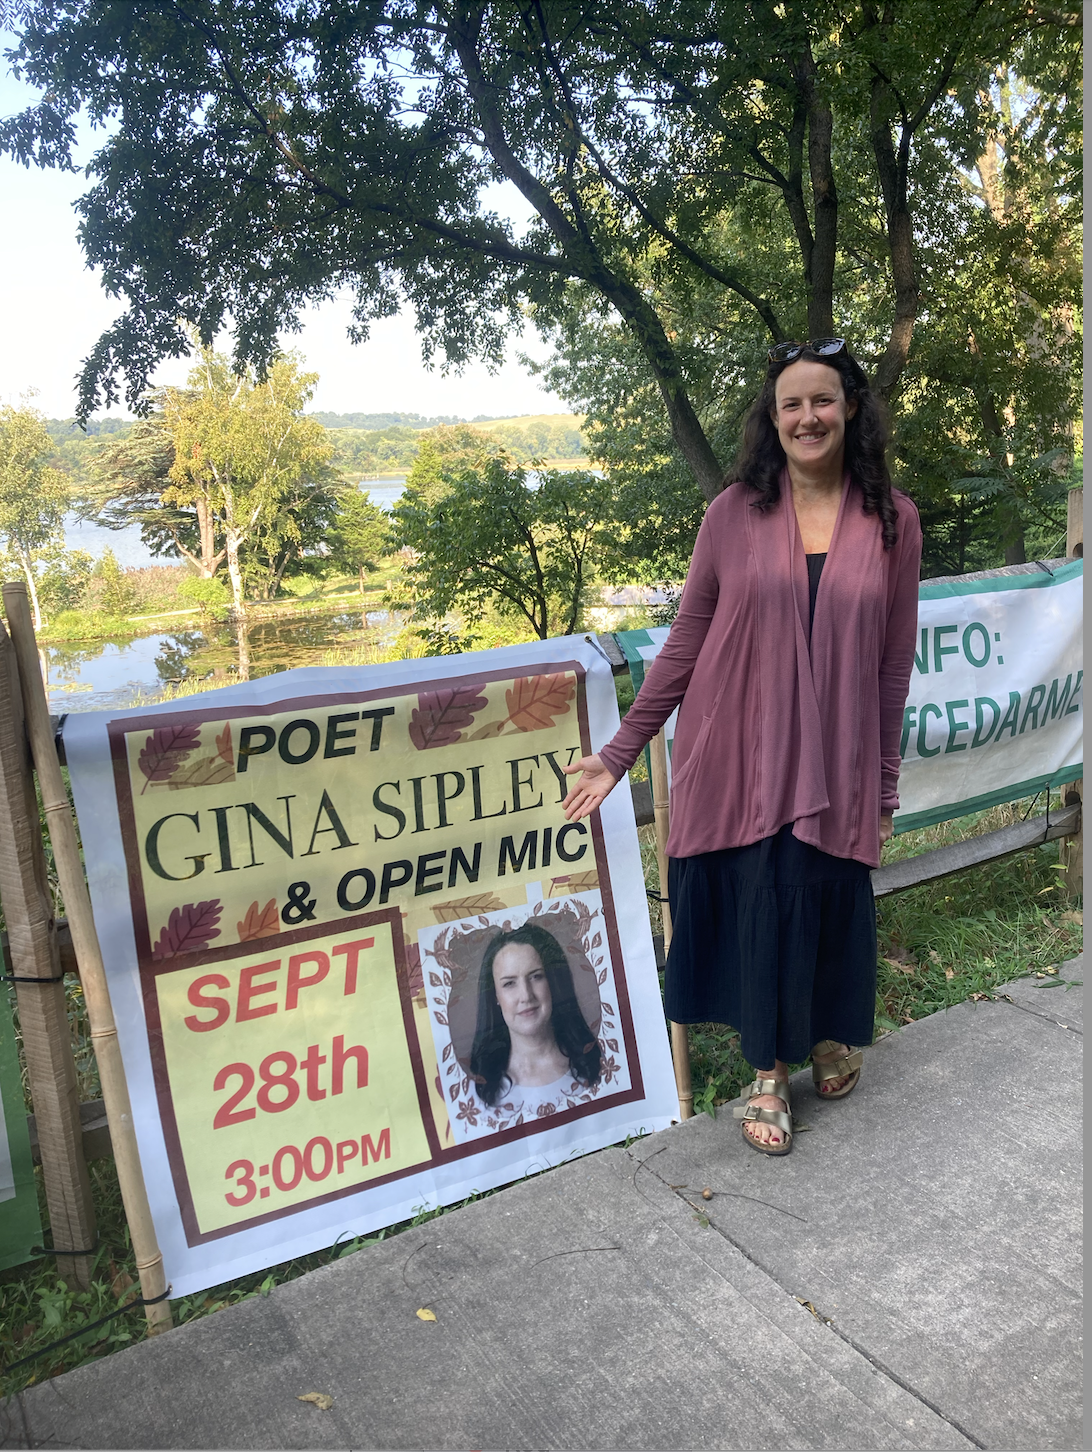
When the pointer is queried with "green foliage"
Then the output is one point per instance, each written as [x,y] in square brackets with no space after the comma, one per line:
[211,596]
[115,593]
[708,176]
[81,625]
[63,579]
[484,535]
[393,448]
[33,495]
[360,537]
[254,470]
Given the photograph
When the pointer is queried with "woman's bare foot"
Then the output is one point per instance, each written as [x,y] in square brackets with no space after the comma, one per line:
[756,1129]
[831,1086]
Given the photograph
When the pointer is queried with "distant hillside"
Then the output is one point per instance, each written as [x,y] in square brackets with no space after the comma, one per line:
[391,450]
[366,444]
[61,430]
[370,421]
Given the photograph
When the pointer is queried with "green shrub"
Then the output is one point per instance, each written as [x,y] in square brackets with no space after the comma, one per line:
[210,596]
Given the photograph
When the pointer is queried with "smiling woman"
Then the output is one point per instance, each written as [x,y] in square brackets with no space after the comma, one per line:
[791,657]
[531,1032]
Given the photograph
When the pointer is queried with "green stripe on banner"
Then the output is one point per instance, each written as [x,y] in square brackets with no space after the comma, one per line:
[1041,581]
[949,811]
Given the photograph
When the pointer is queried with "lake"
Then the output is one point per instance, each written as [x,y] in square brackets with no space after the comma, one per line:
[111,675]
[132,553]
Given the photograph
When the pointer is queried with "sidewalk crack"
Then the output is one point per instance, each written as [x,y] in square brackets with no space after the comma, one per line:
[766,1270]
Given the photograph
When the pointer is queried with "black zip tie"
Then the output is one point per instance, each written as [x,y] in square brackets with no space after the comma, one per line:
[20,978]
[655,896]
[53,1345]
[52,1250]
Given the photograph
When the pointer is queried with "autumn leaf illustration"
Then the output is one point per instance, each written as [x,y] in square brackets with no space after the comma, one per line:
[441,715]
[489,730]
[534,701]
[223,745]
[260,922]
[205,771]
[189,929]
[575,882]
[165,750]
[466,907]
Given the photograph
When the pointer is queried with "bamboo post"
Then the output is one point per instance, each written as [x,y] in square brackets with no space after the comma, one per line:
[680,1044]
[104,1035]
[43,1017]
[1071,849]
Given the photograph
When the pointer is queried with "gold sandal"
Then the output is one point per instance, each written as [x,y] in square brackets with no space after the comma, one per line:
[780,1118]
[846,1064]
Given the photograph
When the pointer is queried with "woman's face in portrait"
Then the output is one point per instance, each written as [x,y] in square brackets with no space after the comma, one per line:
[523,990]
[810,414]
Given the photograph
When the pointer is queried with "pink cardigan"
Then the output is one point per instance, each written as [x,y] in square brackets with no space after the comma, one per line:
[769,733]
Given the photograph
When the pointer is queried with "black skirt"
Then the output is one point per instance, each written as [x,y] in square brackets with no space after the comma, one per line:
[777,940]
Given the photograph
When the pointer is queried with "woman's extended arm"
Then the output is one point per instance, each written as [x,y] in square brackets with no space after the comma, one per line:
[664,685]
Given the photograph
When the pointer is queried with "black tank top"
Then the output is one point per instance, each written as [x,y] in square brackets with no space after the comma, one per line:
[815,569]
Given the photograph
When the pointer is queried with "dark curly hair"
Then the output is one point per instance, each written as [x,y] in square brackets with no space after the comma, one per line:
[492,1041]
[761,458]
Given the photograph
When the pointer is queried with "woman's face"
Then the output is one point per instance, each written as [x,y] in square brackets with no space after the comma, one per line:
[810,413]
[523,990]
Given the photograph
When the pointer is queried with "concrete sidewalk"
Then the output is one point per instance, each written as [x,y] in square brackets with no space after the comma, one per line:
[908,1277]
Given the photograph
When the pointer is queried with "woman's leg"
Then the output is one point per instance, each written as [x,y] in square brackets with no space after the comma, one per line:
[758,1131]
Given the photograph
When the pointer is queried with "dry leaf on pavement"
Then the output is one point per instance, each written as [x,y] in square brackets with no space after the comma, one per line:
[425,1315]
[317,1399]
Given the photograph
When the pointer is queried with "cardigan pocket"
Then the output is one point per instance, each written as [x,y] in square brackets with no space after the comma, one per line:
[695,752]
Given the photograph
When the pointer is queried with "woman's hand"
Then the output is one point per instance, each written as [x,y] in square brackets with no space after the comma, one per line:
[591,791]
[887,827]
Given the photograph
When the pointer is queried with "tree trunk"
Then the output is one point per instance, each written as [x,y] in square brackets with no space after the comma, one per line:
[235,574]
[209,560]
[824,249]
[32,588]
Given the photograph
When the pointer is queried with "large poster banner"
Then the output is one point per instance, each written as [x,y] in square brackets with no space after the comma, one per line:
[360,962]
[995,708]
[20,1224]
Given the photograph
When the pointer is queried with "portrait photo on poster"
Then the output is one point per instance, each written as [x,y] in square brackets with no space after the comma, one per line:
[523,1004]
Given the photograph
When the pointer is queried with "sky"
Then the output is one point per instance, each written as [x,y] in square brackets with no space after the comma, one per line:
[54,309]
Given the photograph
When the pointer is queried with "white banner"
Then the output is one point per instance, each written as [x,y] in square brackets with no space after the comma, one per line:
[995,707]
[361,965]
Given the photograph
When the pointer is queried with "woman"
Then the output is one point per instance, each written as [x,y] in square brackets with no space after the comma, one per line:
[530,1033]
[791,655]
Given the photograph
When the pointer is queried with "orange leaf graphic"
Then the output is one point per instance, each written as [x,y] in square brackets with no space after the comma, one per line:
[207,771]
[260,922]
[574,883]
[466,907]
[534,701]
[223,745]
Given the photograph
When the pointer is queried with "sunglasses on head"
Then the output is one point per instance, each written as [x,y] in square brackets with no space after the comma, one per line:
[825,347]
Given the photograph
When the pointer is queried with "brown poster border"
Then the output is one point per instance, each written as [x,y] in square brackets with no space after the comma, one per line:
[150,970]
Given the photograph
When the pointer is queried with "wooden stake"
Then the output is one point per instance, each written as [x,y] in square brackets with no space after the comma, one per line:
[680,1044]
[43,1017]
[104,1036]
[1071,849]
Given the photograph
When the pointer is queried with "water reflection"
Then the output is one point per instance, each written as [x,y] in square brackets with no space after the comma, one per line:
[98,675]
